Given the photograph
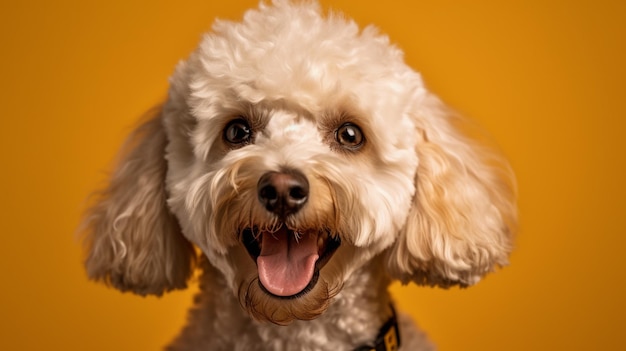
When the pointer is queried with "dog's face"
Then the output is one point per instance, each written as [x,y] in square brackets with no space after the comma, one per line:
[298,148]
[300,156]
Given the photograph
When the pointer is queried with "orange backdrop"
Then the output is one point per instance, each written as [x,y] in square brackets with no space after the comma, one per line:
[545,78]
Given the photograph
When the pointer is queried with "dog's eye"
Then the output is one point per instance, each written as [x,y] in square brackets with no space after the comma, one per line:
[349,136]
[237,132]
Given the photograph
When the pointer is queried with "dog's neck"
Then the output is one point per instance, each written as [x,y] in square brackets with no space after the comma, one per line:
[354,318]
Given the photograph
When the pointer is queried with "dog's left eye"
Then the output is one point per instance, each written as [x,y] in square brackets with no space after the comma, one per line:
[238,132]
[349,136]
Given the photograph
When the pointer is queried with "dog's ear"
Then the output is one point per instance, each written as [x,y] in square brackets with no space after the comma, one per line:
[463,215]
[133,241]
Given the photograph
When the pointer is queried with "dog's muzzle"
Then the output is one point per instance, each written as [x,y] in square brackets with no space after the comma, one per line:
[288,259]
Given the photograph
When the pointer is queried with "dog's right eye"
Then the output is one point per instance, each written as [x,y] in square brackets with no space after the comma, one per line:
[238,132]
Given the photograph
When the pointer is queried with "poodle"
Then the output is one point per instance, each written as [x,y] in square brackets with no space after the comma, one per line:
[300,167]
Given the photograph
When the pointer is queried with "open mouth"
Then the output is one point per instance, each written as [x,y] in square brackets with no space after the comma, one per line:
[289,261]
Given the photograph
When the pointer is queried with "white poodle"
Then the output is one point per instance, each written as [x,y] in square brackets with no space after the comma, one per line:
[311,167]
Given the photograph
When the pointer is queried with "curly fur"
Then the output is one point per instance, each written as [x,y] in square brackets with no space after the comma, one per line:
[415,201]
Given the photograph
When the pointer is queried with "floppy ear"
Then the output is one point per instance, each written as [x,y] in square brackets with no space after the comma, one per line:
[133,241]
[463,215]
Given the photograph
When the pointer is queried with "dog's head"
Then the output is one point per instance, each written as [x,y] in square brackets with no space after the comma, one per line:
[291,151]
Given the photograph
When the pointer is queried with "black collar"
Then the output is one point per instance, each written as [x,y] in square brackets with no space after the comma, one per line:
[388,338]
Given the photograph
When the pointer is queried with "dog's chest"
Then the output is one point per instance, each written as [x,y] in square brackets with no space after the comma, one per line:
[319,334]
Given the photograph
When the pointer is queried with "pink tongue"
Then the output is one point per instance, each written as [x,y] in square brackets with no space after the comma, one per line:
[286,265]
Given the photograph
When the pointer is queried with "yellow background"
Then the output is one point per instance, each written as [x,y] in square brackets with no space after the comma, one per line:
[545,78]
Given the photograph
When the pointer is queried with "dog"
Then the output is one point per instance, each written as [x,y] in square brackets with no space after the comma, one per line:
[300,166]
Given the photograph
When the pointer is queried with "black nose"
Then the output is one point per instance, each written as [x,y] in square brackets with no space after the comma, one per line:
[283,193]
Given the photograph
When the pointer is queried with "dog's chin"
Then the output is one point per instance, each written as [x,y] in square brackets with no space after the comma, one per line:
[290,282]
